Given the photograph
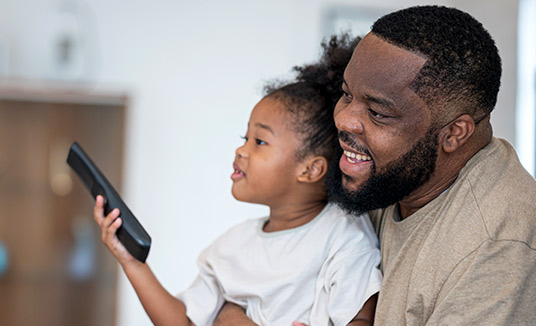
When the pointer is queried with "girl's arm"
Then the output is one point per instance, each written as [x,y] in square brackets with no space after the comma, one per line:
[161,307]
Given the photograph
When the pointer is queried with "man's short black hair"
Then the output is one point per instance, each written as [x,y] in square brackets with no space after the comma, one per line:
[463,68]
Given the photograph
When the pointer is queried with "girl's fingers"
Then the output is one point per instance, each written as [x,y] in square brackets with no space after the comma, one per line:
[106,224]
[109,220]
[98,210]
[109,225]
[110,231]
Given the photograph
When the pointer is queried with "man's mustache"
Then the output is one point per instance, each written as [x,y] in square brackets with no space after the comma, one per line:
[349,140]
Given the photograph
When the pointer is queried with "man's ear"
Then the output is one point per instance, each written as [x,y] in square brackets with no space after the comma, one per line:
[312,169]
[456,133]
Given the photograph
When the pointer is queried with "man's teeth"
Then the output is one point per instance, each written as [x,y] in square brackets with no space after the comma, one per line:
[354,157]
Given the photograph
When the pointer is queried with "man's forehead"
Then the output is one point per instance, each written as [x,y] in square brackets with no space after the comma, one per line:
[374,55]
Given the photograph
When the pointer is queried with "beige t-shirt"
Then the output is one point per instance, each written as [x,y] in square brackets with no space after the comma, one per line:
[469,256]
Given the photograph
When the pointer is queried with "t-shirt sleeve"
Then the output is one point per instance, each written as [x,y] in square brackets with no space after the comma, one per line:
[495,285]
[204,298]
[352,279]
[376,219]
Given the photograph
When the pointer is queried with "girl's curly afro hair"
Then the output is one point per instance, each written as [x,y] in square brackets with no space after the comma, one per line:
[311,97]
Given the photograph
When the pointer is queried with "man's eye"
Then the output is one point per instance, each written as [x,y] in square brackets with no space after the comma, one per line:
[260,141]
[376,114]
[346,94]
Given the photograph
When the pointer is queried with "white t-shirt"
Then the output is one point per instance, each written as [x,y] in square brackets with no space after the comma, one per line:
[320,273]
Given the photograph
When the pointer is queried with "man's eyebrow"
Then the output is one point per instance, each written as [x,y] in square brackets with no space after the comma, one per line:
[263,126]
[381,101]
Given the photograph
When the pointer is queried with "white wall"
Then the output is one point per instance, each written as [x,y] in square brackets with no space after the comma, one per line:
[194,70]
[526,97]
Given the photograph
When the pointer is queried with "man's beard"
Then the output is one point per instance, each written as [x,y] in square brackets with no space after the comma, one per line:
[382,189]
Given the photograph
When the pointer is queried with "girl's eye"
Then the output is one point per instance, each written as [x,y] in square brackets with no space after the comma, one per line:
[257,140]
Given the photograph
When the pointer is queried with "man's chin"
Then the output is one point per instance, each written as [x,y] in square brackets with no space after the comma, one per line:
[357,195]
[351,184]
[342,189]
[379,189]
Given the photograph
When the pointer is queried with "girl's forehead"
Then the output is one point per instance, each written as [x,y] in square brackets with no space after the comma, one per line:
[271,111]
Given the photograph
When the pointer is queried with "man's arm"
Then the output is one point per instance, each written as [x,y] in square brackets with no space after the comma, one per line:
[233,315]
[365,317]
[496,285]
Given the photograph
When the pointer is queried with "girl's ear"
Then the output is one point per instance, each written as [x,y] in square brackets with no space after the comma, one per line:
[313,169]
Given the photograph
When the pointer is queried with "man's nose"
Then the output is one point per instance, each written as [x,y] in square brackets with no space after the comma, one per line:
[349,118]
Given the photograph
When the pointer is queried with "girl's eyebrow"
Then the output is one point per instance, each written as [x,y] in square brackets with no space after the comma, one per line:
[263,126]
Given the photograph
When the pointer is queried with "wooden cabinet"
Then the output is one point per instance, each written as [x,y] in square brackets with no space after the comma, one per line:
[59,272]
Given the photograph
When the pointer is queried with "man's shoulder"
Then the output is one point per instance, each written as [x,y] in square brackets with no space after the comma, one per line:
[501,192]
[497,163]
[376,216]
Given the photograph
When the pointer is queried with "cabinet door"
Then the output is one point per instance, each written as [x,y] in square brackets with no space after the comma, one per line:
[58,271]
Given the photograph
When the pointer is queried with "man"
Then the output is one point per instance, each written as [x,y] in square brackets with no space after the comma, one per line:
[458,225]
[454,209]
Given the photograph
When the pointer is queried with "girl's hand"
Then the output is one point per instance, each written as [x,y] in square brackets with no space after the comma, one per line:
[297,323]
[109,226]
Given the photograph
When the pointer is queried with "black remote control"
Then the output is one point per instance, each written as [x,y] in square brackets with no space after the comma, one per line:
[131,234]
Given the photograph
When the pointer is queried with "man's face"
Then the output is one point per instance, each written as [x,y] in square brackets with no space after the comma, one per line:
[384,127]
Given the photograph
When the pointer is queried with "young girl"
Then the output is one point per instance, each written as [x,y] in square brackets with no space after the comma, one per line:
[307,261]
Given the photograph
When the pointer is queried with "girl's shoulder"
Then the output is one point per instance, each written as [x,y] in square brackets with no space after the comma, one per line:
[242,229]
[348,228]
[336,215]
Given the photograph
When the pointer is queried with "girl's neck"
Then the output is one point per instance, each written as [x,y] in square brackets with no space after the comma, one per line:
[288,217]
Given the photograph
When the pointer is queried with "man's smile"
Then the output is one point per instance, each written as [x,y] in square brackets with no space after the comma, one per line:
[356,166]
[354,157]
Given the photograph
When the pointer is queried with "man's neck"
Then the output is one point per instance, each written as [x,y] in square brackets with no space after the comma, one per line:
[425,194]
[447,170]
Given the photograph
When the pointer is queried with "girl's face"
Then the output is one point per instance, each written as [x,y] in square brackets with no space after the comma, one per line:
[265,167]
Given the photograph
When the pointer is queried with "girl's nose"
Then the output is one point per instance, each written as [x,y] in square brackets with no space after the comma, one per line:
[241,151]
